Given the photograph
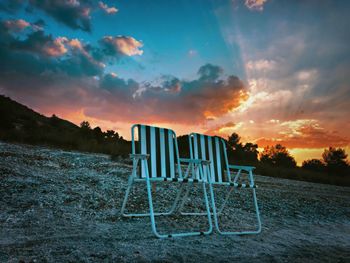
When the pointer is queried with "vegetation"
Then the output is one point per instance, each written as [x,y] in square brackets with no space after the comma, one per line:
[277,155]
[239,153]
[21,124]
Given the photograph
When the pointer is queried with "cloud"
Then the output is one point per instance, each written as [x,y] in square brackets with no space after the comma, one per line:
[34,51]
[10,6]
[38,42]
[37,53]
[304,133]
[106,9]
[210,72]
[64,70]
[256,5]
[72,13]
[16,25]
[121,45]
[173,100]
[75,14]
[261,65]
[222,129]
[67,82]
[292,76]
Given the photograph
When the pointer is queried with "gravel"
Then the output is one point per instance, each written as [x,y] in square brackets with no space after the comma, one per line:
[61,206]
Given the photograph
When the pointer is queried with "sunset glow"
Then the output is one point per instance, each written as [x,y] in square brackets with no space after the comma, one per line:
[271,71]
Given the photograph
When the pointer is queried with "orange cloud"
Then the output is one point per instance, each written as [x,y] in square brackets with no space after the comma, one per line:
[124,45]
[221,129]
[56,47]
[257,5]
[174,101]
[305,134]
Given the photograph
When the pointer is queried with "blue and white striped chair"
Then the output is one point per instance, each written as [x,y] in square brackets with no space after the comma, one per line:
[156,159]
[213,149]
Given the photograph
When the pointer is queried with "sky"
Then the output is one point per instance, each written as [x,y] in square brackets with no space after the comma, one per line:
[271,71]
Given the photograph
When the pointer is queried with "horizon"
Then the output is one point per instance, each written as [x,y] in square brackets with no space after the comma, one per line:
[271,71]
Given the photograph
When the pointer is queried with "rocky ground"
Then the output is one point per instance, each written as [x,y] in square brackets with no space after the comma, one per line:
[59,206]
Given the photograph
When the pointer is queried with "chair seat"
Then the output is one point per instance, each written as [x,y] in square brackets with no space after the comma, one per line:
[167,179]
[236,185]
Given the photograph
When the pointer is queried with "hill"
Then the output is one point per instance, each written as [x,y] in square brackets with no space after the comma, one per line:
[18,123]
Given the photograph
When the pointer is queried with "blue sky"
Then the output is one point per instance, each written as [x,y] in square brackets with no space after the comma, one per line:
[273,71]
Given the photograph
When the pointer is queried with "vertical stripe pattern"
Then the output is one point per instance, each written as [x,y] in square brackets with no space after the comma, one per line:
[159,143]
[210,148]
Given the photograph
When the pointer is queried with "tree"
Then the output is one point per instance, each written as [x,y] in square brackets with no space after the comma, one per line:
[335,160]
[237,152]
[251,152]
[234,141]
[277,155]
[85,125]
[314,165]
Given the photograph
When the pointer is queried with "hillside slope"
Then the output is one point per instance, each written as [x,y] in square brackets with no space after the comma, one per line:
[19,123]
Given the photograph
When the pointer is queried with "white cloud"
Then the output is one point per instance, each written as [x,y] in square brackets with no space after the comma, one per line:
[107,9]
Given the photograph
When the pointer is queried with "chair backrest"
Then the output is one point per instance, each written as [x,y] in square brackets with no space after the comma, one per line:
[161,145]
[212,148]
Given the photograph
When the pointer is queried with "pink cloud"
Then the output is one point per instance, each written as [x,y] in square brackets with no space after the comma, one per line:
[56,47]
[16,25]
[106,9]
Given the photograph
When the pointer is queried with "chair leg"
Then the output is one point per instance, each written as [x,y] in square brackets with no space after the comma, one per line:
[225,200]
[130,184]
[171,211]
[152,214]
[257,231]
[190,185]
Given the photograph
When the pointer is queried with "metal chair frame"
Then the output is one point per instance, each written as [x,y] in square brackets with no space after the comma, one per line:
[231,184]
[196,165]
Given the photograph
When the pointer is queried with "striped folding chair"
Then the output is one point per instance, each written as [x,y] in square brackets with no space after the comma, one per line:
[213,148]
[156,159]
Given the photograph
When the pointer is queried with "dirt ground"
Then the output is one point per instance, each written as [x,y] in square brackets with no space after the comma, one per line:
[60,206]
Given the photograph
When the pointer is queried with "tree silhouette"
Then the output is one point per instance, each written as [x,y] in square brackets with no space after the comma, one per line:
[234,141]
[335,160]
[237,152]
[85,125]
[277,155]
[314,165]
[251,152]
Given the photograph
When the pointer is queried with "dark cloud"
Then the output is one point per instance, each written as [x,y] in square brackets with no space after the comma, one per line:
[10,6]
[209,71]
[172,100]
[73,13]
[39,24]
[54,72]
[37,53]
[68,82]
[39,43]
[40,52]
